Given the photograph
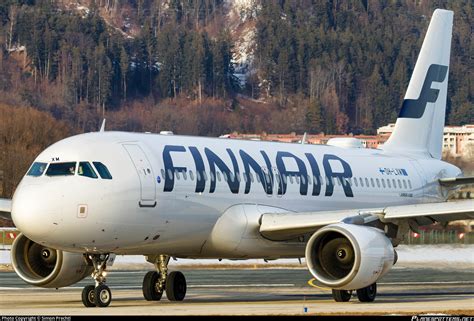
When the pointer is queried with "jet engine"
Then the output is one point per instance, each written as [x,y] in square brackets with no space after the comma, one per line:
[46,267]
[347,256]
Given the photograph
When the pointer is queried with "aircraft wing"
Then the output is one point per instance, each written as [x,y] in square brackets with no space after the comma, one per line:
[6,208]
[284,226]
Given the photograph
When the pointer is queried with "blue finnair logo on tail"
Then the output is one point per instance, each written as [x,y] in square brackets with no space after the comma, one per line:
[415,108]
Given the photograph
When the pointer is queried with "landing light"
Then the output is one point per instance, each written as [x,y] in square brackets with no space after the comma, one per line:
[461,235]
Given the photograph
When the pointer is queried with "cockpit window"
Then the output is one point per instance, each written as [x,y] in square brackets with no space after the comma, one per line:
[102,169]
[61,169]
[85,169]
[37,169]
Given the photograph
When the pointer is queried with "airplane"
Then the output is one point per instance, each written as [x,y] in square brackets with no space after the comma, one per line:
[344,209]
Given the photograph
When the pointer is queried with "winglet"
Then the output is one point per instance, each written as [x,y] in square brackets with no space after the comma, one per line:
[102,127]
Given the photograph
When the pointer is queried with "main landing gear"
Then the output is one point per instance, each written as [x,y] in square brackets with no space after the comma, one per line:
[97,295]
[156,282]
[366,294]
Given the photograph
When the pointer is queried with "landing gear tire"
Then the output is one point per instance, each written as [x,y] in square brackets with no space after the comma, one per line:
[88,295]
[341,295]
[102,296]
[368,293]
[98,295]
[150,286]
[175,286]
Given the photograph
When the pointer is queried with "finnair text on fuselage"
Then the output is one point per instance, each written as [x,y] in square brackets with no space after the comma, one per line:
[260,167]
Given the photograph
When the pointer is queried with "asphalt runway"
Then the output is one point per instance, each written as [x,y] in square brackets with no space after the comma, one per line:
[251,292]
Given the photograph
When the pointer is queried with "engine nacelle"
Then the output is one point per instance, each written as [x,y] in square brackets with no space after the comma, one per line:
[348,257]
[45,267]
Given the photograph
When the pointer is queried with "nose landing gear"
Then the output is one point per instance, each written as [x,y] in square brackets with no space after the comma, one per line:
[98,295]
[155,283]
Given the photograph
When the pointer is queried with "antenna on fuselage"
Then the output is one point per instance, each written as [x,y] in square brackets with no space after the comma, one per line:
[303,140]
[102,127]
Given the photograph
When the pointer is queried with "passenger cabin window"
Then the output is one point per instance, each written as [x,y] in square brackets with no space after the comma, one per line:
[37,169]
[278,179]
[61,169]
[102,170]
[85,169]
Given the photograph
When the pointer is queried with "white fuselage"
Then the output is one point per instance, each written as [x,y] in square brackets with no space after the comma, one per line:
[178,195]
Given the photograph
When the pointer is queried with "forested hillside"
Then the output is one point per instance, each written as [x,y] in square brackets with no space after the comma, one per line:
[212,66]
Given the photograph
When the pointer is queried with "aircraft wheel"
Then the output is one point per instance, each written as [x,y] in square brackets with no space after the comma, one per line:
[175,286]
[88,296]
[149,287]
[341,295]
[103,296]
[368,293]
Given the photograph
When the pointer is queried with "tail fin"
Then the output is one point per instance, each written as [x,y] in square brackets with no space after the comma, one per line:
[419,127]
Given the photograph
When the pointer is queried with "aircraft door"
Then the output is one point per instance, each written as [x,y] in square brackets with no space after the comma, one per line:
[145,174]
[419,180]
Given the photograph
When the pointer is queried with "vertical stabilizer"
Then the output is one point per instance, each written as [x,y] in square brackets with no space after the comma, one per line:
[420,124]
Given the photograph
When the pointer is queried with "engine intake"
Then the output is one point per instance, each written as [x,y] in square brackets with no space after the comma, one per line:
[347,257]
[46,267]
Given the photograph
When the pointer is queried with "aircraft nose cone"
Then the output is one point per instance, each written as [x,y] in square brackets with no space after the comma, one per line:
[32,212]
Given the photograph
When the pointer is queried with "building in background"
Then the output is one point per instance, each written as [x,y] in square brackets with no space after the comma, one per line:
[458,141]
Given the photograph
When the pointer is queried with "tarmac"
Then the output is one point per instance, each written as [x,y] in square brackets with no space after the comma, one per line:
[271,291]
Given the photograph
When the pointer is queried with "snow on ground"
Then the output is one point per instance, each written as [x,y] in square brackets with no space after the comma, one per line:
[241,23]
[435,256]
